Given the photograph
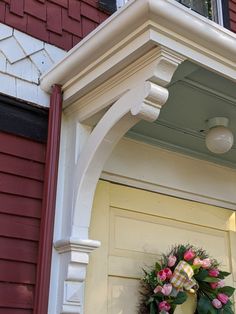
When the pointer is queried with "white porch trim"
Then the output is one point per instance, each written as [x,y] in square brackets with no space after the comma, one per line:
[141,100]
[113,78]
[133,30]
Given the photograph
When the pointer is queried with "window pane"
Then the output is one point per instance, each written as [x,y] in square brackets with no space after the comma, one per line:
[203,7]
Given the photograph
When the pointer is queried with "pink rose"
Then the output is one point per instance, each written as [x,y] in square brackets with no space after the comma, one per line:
[219,284]
[162,275]
[214,285]
[217,304]
[223,298]
[168,273]
[166,289]
[157,289]
[197,261]
[213,272]
[206,263]
[171,260]
[165,306]
[189,255]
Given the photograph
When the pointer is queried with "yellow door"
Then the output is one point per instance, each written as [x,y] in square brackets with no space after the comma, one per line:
[135,227]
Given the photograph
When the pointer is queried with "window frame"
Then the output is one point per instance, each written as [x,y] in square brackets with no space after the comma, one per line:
[220,11]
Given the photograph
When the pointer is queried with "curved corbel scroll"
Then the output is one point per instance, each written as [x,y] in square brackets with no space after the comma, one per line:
[143,102]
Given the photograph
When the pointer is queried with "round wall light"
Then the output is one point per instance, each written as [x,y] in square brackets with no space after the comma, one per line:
[219,138]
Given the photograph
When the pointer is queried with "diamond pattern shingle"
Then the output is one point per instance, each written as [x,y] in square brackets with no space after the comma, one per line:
[23,59]
[62,23]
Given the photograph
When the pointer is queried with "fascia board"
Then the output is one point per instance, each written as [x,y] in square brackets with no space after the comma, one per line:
[195,31]
[107,66]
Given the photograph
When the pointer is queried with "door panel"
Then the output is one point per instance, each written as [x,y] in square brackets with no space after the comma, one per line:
[135,227]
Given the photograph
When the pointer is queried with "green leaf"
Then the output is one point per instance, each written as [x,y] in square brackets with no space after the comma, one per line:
[195,267]
[228,309]
[150,300]
[227,290]
[204,305]
[224,274]
[202,274]
[157,267]
[180,298]
[214,311]
[181,249]
[153,308]
[211,279]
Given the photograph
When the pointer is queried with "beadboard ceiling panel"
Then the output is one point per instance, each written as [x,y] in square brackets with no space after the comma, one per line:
[196,95]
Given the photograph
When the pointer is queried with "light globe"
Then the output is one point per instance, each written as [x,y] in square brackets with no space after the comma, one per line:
[219,139]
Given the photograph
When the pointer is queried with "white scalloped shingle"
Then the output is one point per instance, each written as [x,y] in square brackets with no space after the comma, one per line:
[24,69]
[23,59]
[56,54]
[27,91]
[7,84]
[3,63]
[5,31]
[41,60]
[28,43]
[12,50]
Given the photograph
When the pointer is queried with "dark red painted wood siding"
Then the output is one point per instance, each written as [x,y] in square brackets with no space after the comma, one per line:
[21,187]
[62,23]
[232,15]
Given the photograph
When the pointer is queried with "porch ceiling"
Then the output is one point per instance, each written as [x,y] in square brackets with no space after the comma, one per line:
[134,45]
[196,94]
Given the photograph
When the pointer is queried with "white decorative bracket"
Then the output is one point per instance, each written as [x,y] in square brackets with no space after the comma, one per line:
[142,100]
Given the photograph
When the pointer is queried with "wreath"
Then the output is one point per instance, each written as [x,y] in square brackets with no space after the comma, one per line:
[184,270]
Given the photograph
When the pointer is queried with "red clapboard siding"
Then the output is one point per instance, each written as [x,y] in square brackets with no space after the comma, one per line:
[18,250]
[21,147]
[19,227]
[15,311]
[17,272]
[20,186]
[21,167]
[16,296]
[18,205]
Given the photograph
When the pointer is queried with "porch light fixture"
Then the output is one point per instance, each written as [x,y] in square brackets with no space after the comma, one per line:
[219,138]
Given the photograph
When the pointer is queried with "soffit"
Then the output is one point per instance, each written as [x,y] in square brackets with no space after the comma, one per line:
[194,98]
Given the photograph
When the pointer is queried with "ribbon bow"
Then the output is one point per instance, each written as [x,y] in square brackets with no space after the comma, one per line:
[182,276]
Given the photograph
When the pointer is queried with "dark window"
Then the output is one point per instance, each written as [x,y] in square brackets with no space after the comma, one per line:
[207,8]
[108,6]
[216,10]
[204,7]
[23,119]
[225,13]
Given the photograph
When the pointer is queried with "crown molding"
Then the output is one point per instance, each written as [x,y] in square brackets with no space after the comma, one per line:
[76,245]
[157,66]
[133,31]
